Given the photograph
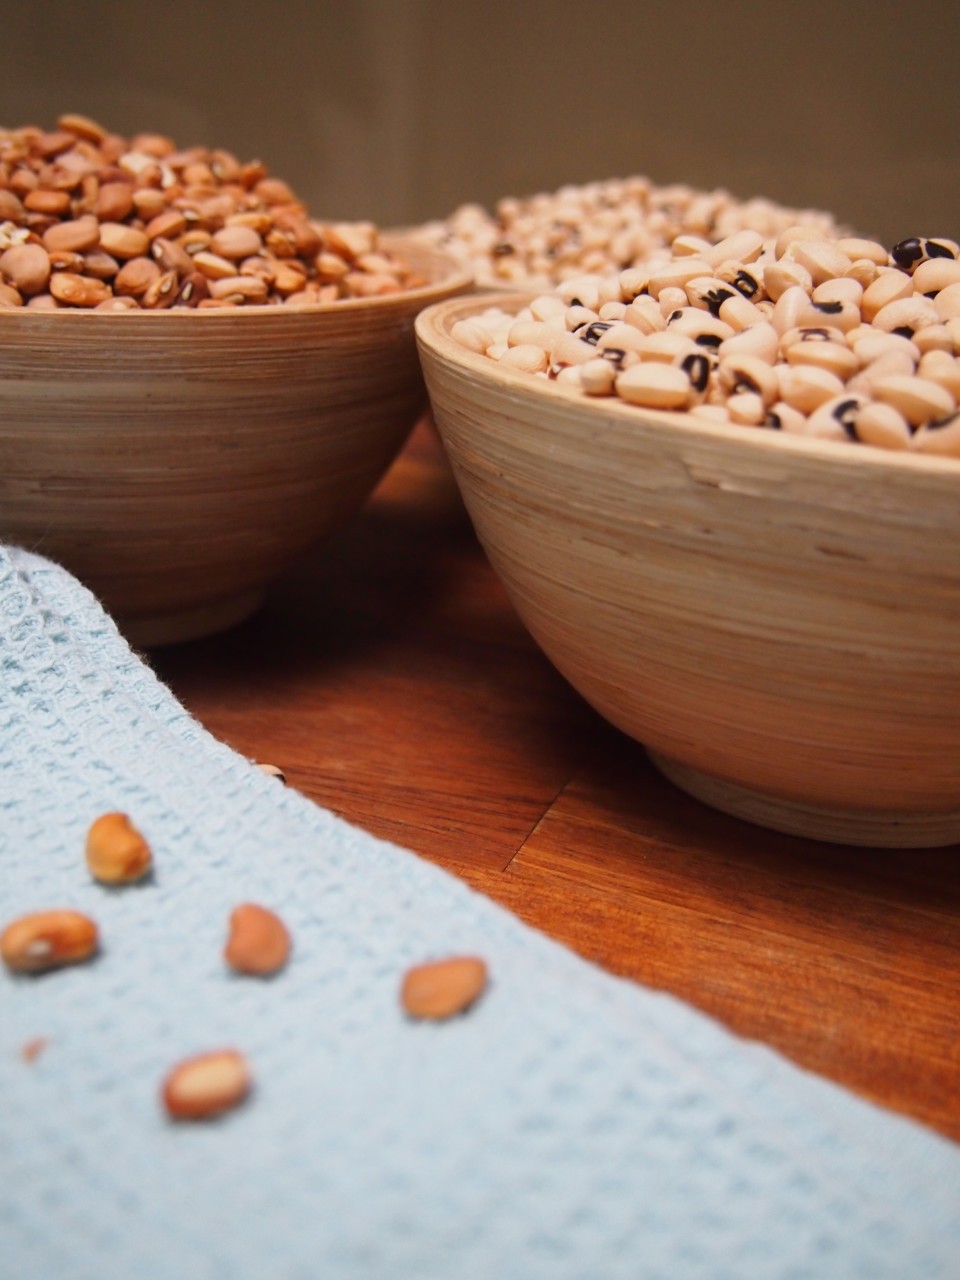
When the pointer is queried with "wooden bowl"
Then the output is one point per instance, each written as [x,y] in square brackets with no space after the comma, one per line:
[176,461]
[774,617]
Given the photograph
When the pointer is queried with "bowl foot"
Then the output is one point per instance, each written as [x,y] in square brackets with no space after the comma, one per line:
[150,631]
[869,827]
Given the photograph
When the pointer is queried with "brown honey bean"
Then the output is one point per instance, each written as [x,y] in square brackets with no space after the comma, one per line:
[48,940]
[73,236]
[258,941]
[123,241]
[206,1085]
[78,291]
[135,277]
[440,989]
[26,267]
[114,202]
[116,852]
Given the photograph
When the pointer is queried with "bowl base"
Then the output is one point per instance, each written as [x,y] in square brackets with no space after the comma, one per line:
[875,828]
[150,631]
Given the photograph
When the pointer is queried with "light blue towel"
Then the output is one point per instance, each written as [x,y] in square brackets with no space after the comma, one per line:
[571,1126]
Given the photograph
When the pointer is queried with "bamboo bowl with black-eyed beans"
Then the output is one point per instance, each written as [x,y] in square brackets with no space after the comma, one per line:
[177,461]
[773,617]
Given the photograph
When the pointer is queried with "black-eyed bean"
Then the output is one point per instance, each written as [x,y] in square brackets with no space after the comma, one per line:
[740,313]
[644,314]
[535,333]
[863,271]
[579,292]
[839,289]
[947,303]
[941,437]
[667,346]
[839,314]
[612,311]
[940,366]
[620,336]
[690,246]
[790,306]
[633,283]
[805,387]
[697,366]
[676,274]
[742,246]
[747,373]
[889,286]
[569,349]
[953,328]
[821,258]
[547,307]
[471,334]
[782,275]
[906,315]
[576,317]
[746,408]
[567,375]
[526,357]
[707,293]
[654,386]
[935,274]
[870,250]
[809,333]
[935,337]
[761,340]
[784,417]
[872,344]
[918,399]
[701,326]
[747,280]
[836,418]
[882,425]
[671,300]
[910,253]
[835,357]
[597,377]
[793,235]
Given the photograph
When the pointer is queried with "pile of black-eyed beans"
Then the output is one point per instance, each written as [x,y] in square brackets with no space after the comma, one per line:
[834,338]
[541,240]
[92,220]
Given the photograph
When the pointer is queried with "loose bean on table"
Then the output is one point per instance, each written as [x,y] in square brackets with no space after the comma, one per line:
[138,219]
[806,346]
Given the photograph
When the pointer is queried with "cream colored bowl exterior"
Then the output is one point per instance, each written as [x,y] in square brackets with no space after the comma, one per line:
[176,462]
[776,619]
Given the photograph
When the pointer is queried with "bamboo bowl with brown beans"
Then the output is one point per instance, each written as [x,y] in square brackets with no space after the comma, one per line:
[774,617]
[178,460]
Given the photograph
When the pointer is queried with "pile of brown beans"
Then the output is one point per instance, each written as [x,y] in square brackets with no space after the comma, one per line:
[541,240]
[834,338]
[92,220]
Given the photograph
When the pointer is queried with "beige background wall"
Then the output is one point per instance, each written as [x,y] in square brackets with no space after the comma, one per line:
[399,110]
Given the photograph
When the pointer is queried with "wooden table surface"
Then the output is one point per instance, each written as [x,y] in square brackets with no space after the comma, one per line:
[388,676]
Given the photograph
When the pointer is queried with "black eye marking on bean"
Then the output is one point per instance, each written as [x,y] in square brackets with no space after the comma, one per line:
[828,308]
[711,340]
[674,315]
[904,331]
[715,298]
[697,369]
[939,423]
[747,284]
[846,414]
[743,383]
[814,335]
[614,355]
[937,250]
[907,253]
[502,249]
[594,330]
[773,420]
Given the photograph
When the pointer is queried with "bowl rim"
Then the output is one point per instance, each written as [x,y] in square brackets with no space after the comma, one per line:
[432,327]
[455,277]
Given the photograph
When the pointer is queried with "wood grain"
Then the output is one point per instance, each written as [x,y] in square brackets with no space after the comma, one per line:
[390,678]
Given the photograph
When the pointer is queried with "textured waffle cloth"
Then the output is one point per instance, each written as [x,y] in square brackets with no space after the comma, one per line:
[571,1126]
